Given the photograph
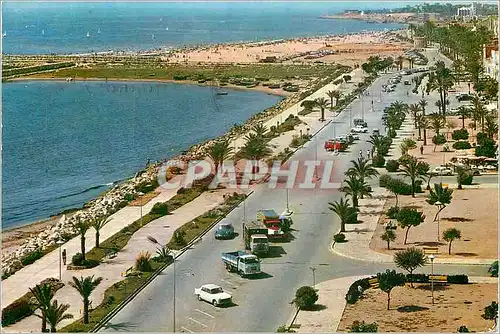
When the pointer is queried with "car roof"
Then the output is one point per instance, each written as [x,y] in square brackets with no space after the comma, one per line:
[210,286]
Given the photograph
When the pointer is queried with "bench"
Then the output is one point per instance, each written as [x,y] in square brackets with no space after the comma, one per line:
[438,279]
[373,282]
[431,250]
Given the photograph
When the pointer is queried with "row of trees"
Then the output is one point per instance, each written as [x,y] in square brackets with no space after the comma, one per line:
[52,312]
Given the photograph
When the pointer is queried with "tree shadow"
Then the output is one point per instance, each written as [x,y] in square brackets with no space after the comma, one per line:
[411,308]
[360,230]
[437,286]
[457,219]
[275,251]
[316,307]
[121,326]
[428,243]
[466,254]
[261,275]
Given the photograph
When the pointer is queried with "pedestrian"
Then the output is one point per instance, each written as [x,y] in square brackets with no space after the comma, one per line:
[64,256]
[360,154]
[421,149]
[368,154]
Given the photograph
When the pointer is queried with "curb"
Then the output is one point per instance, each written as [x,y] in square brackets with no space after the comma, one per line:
[127,300]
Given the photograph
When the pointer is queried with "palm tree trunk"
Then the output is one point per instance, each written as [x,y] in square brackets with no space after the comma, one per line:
[97,234]
[86,311]
[388,246]
[425,137]
[82,246]
[53,329]
[412,188]
[44,321]
[411,277]
[388,301]
[355,201]
[463,122]
[449,248]
[342,226]
[396,200]
[406,234]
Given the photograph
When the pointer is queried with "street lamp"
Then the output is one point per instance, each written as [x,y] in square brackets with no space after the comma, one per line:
[438,204]
[287,213]
[431,257]
[314,276]
[60,242]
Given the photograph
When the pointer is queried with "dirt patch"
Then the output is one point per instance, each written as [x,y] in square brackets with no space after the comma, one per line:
[412,310]
[143,200]
[475,217]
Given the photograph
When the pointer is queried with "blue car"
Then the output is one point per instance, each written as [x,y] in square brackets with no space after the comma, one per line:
[224,231]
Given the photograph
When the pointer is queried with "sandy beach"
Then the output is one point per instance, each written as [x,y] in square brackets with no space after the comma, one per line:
[352,49]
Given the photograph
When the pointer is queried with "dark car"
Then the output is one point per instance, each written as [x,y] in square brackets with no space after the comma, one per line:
[224,231]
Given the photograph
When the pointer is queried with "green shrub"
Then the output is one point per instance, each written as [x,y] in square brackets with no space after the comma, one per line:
[353,293]
[463,329]
[305,297]
[392,165]
[143,262]
[181,190]
[129,197]
[179,238]
[481,137]
[145,186]
[384,180]
[493,270]
[392,212]
[438,140]
[378,161]
[465,177]
[461,145]
[160,208]
[32,257]
[77,259]
[362,327]
[16,311]
[404,159]
[461,134]
[418,278]
[340,237]
[458,279]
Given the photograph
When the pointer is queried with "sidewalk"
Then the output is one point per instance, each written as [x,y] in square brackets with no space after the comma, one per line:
[161,229]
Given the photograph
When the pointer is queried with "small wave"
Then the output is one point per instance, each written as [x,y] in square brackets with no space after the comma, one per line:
[89,189]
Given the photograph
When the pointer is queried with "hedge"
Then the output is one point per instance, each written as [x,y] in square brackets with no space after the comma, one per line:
[392,165]
[461,134]
[461,145]
[353,293]
[31,69]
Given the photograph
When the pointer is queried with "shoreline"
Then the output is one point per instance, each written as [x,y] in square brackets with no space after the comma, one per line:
[259,88]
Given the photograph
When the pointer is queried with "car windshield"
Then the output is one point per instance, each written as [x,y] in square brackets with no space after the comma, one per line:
[225,227]
[252,260]
[260,240]
[216,290]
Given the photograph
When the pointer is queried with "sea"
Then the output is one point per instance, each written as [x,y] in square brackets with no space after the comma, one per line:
[65,143]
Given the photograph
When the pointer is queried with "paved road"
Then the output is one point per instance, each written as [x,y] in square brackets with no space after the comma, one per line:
[263,304]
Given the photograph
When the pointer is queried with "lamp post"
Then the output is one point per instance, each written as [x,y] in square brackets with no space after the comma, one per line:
[314,276]
[431,257]
[438,204]
[60,242]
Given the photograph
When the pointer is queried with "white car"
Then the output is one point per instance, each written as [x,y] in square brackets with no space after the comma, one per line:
[442,171]
[213,294]
[359,129]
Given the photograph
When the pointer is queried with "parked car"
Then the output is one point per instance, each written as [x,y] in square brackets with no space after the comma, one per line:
[442,171]
[464,97]
[213,294]
[224,231]
[376,132]
[359,129]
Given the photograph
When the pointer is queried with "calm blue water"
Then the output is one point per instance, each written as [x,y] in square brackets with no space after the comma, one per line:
[42,28]
[61,140]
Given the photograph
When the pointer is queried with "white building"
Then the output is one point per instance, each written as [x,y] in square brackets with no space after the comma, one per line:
[467,12]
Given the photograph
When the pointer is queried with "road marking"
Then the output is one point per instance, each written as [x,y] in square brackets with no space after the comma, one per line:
[187,330]
[205,313]
[199,323]
[227,282]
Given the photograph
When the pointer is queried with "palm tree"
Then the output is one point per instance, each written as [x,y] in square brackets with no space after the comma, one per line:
[82,227]
[450,235]
[322,104]
[399,62]
[423,104]
[423,123]
[355,188]
[491,126]
[85,286]
[260,129]
[344,211]
[256,149]
[437,123]
[56,313]
[414,109]
[98,224]
[439,194]
[361,169]
[441,80]
[479,111]
[412,169]
[333,94]
[43,294]
[464,112]
[220,151]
